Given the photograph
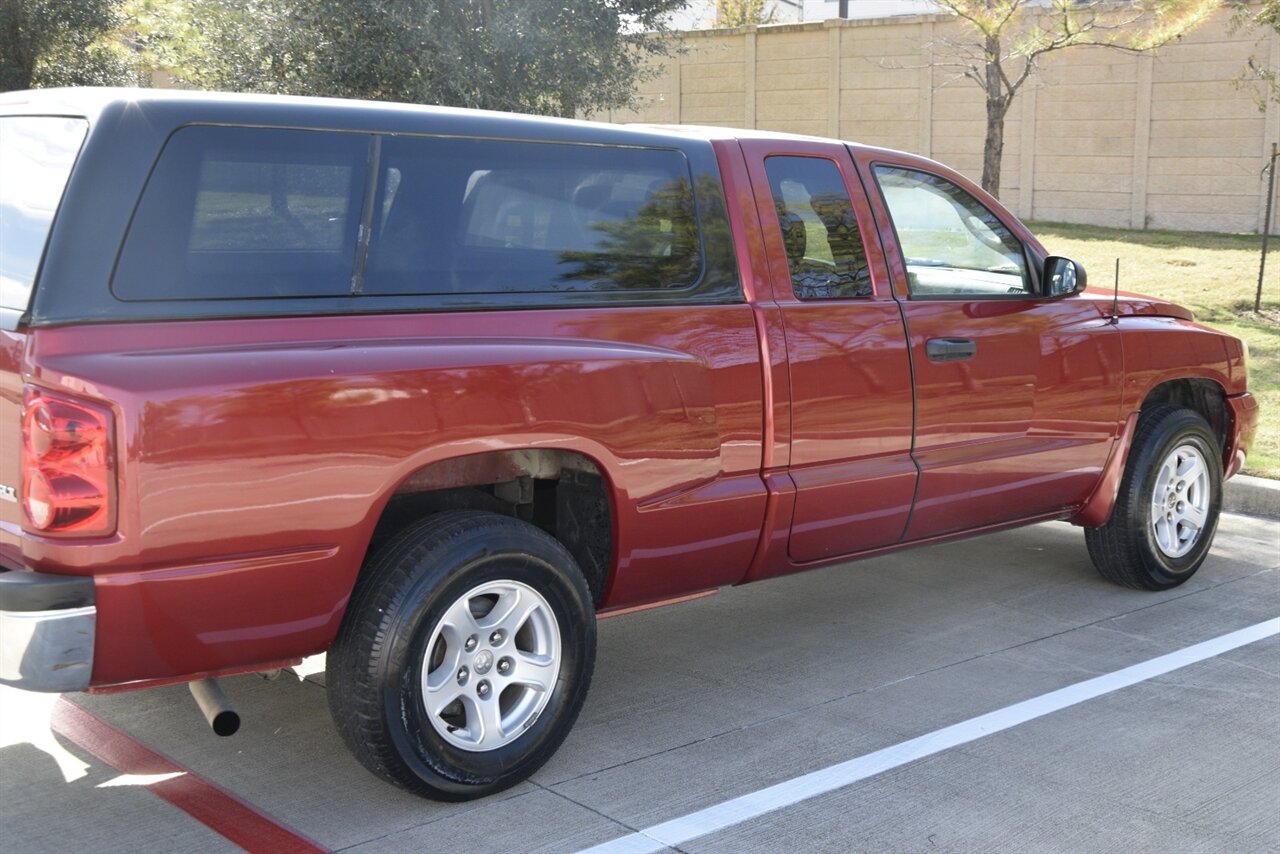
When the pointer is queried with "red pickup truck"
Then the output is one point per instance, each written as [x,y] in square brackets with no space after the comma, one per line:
[429,388]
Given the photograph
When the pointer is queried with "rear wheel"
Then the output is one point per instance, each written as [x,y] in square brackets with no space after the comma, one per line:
[1166,512]
[464,657]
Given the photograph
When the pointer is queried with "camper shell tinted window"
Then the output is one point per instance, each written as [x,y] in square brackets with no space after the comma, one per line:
[352,221]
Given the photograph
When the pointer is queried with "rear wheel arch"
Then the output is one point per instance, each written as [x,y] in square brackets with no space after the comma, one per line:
[566,493]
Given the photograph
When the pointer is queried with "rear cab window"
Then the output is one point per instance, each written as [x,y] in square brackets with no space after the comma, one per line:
[37,154]
[819,229]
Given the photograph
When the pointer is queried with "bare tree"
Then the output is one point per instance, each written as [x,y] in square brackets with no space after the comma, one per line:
[1258,75]
[1002,42]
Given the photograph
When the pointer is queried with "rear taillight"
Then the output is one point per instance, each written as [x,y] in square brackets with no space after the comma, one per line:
[68,485]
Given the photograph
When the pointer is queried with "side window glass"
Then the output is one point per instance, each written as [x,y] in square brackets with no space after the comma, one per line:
[243,213]
[481,217]
[952,244]
[825,254]
[271,206]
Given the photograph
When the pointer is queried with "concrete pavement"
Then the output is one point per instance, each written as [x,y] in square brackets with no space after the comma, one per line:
[719,697]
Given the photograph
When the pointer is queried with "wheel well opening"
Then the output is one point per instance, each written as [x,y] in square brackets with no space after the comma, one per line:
[561,492]
[1199,395]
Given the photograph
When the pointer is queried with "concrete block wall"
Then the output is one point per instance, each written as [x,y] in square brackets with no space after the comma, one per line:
[1099,136]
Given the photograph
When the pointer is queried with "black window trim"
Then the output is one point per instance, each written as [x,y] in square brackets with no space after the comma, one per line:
[364,236]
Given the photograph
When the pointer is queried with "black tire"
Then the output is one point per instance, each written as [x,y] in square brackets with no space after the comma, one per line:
[375,674]
[1128,548]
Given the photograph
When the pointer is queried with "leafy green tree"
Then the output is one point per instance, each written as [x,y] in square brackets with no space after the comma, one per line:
[742,13]
[1002,43]
[560,57]
[61,43]
[208,44]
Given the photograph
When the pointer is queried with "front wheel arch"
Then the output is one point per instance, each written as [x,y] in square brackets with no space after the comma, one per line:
[1203,396]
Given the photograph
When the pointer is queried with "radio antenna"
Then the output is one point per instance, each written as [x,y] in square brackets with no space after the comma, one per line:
[1115,296]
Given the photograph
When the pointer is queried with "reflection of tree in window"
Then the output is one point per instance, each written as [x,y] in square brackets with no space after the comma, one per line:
[820,234]
[242,205]
[655,247]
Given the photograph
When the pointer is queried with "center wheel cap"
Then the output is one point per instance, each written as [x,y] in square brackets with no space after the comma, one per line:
[483,662]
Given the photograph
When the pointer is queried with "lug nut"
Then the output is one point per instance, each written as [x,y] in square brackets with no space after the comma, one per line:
[482,689]
[497,637]
[471,644]
[504,665]
[463,674]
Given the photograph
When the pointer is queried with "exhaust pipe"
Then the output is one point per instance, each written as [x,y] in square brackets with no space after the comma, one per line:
[215,705]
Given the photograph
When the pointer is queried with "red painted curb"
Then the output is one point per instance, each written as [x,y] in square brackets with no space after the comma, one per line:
[218,809]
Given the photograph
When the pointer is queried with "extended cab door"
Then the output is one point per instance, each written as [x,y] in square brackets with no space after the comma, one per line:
[850,374]
[1017,394]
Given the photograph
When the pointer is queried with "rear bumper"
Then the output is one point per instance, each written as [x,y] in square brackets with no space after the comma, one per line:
[47,627]
[1244,420]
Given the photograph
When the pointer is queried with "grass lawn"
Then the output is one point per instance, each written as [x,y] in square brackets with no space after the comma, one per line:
[1214,275]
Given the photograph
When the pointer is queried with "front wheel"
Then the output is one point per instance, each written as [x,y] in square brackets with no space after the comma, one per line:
[464,657]
[1166,512]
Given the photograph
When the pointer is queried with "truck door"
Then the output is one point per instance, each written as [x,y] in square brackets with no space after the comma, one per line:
[850,371]
[1017,394]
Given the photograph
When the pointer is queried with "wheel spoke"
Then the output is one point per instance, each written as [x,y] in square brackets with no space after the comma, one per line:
[1194,516]
[445,673]
[1192,469]
[538,672]
[458,622]
[510,612]
[438,698]
[487,717]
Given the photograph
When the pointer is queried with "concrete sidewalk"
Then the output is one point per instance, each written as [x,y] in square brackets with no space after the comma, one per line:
[716,698]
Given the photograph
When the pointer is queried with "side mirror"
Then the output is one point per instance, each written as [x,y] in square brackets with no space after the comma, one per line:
[1063,277]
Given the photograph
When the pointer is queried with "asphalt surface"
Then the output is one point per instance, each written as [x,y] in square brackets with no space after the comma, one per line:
[717,698]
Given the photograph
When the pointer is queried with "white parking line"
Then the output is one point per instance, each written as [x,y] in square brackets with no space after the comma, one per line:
[747,807]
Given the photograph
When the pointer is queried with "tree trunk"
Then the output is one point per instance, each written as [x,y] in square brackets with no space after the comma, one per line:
[997,106]
[14,76]
[17,60]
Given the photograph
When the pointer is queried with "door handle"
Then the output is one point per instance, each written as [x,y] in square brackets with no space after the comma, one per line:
[950,349]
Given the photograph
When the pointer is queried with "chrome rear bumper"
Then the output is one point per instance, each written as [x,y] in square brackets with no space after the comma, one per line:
[47,626]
